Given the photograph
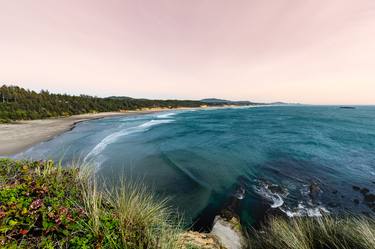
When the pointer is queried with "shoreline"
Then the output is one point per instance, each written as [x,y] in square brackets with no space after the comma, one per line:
[23,134]
[20,136]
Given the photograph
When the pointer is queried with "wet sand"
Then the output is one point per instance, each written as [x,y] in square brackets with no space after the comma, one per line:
[17,137]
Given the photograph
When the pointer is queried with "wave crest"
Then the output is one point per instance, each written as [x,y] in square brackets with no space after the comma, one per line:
[112,138]
[272,193]
[276,195]
[166,115]
[302,211]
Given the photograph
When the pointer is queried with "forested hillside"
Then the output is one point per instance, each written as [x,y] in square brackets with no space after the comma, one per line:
[17,103]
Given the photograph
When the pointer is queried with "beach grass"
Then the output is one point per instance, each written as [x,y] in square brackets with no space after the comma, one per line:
[47,206]
[315,233]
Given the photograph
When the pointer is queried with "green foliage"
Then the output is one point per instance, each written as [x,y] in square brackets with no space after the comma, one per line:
[37,207]
[47,206]
[315,233]
[20,104]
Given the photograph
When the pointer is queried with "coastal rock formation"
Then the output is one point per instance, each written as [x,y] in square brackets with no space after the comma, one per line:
[229,232]
[225,234]
[199,240]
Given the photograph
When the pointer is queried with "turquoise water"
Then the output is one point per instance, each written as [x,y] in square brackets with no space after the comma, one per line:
[200,158]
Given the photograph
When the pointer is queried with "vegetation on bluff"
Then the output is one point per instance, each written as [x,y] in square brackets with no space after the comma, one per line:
[47,206]
[17,103]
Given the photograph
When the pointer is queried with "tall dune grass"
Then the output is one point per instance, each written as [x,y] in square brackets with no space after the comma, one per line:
[315,233]
[141,220]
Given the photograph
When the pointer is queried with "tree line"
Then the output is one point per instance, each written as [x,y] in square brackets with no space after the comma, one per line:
[17,103]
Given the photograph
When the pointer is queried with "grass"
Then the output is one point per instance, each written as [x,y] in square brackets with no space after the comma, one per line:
[47,206]
[318,233]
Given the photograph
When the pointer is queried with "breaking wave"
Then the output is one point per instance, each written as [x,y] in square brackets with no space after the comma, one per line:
[272,193]
[112,138]
[302,210]
[166,115]
[277,195]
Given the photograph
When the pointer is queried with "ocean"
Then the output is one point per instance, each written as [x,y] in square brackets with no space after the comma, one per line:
[294,160]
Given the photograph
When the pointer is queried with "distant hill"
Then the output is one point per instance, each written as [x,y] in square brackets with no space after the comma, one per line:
[278,103]
[214,101]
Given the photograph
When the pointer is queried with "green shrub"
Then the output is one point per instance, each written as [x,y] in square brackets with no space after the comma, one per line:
[47,206]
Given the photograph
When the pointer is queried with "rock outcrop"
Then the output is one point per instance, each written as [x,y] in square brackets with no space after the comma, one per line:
[193,239]
[228,232]
[225,234]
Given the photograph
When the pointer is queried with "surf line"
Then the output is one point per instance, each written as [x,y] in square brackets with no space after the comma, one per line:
[112,138]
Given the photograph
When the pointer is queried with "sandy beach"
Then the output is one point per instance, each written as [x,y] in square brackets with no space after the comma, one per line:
[17,137]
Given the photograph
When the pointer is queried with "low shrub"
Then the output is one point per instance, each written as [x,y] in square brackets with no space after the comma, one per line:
[48,206]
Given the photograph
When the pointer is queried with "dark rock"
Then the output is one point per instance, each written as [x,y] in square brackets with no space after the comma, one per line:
[369,198]
[356,201]
[227,214]
[275,212]
[276,189]
[314,191]
[334,192]
[366,213]
[356,188]
[364,191]
[333,204]
[240,193]
[342,196]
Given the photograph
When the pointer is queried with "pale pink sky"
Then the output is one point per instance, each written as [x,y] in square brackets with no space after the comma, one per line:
[310,51]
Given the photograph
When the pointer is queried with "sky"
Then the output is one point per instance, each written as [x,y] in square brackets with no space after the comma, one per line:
[310,51]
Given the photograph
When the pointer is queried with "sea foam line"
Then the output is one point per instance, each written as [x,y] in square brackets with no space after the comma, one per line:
[112,138]
[166,115]
[302,211]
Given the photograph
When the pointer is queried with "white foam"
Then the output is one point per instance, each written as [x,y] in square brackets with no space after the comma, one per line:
[112,138]
[276,199]
[304,208]
[302,211]
[155,122]
[240,194]
[166,115]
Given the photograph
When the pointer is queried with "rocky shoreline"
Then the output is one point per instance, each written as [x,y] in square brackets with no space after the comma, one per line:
[227,231]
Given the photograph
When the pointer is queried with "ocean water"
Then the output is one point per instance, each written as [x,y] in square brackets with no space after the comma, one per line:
[296,160]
